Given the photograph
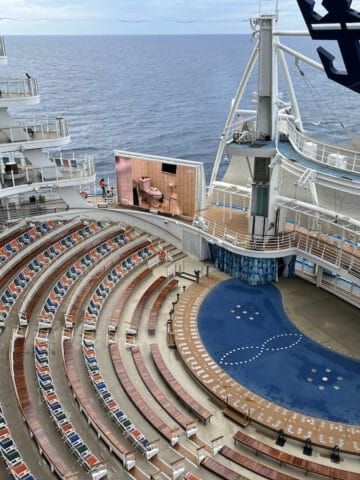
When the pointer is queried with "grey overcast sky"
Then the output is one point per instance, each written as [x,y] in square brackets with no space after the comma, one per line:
[119,17]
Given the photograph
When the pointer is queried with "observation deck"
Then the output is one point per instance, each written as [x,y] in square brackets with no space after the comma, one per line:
[18,92]
[31,133]
[61,171]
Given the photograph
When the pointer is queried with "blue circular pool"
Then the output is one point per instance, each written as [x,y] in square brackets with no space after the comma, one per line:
[245,329]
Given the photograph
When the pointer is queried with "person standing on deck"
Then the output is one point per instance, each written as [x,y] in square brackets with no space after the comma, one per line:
[103,186]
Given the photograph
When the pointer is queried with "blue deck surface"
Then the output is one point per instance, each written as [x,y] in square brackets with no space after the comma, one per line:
[246,331]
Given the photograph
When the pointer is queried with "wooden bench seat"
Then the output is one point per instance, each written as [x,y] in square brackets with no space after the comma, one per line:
[253,465]
[220,470]
[284,457]
[113,324]
[154,312]
[175,386]
[186,423]
[136,317]
[126,456]
[170,434]
[29,412]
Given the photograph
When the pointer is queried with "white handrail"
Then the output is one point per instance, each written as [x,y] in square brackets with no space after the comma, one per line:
[343,159]
[15,87]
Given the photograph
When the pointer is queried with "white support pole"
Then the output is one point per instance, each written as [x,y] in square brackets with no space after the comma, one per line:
[232,113]
[298,55]
[290,88]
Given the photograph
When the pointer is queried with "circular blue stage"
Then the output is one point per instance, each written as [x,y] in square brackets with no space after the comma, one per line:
[246,331]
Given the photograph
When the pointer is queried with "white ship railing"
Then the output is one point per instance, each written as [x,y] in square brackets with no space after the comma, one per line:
[62,167]
[344,159]
[243,240]
[30,129]
[18,87]
[335,251]
[238,129]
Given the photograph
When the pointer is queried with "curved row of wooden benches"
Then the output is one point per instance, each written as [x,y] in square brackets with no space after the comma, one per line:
[72,438]
[114,321]
[135,319]
[189,425]
[175,386]
[169,433]
[125,455]
[294,461]
[154,312]
[29,412]
[133,433]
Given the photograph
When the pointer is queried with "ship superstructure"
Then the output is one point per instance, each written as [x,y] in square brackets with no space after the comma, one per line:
[27,166]
[260,229]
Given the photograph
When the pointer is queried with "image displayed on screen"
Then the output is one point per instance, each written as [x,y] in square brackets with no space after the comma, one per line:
[152,184]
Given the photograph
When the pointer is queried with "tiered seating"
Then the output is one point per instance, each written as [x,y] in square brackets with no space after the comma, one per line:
[284,457]
[43,441]
[253,466]
[32,268]
[106,285]
[56,295]
[11,454]
[26,238]
[175,386]
[134,434]
[135,320]
[73,440]
[170,434]
[126,456]
[154,312]
[113,324]
[221,470]
[190,426]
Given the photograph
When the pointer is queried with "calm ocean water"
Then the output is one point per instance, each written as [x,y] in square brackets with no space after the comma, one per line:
[164,95]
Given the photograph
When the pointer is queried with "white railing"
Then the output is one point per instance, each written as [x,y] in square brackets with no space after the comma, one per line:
[237,130]
[18,87]
[72,166]
[63,167]
[244,240]
[343,159]
[346,290]
[339,253]
[30,129]
[325,153]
